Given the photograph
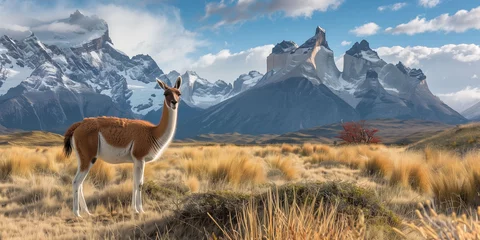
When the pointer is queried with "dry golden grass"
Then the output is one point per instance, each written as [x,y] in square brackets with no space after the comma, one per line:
[432,225]
[35,185]
[287,148]
[307,149]
[297,220]
[379,165]
[286,165]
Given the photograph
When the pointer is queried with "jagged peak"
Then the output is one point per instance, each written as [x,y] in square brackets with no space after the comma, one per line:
[284,46]
[320,36]
[402,67]
[76,15]
[319,29]
[174,72]
[359,47]
[191,72]
[418,74]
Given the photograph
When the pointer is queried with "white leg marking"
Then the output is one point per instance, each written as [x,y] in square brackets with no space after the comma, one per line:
[83,203]
[77,184]
[138,169]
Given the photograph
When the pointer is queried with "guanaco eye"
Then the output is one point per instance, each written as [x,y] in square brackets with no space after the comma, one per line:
[179,94]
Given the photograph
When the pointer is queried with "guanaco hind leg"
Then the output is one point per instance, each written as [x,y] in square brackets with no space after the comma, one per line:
[138,172]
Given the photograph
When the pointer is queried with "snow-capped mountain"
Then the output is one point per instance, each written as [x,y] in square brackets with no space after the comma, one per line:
[473,112]
[290,96]
[304,88]
[199,92]
[49,79]
[49,86]
[245,82]
[405,88]
[363,71]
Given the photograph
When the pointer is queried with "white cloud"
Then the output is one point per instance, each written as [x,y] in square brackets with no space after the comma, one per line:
[413,55]
[461,21]
[448,68]
[14,27]
[162,36]
[345,43]
[461,100]
[242,10]
[392,7]
[60,27]
[474,76]
[367,29]
[228,66]
[429,3]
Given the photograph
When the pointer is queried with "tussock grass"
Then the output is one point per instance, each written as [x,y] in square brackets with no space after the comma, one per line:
[227,166]
[378,165]
[37,182]
[193,184]
[296,220]
[287,148]
[286,165]
[432,225]
[307,149]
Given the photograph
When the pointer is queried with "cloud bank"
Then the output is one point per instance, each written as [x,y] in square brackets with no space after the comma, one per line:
[461,21]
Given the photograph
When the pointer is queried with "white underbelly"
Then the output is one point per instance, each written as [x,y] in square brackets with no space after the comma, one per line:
[112,154]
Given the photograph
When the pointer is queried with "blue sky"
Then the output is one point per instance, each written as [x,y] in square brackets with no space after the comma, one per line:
[223,39]
[337,22]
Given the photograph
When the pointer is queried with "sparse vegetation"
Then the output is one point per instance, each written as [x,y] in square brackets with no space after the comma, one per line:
[232,192]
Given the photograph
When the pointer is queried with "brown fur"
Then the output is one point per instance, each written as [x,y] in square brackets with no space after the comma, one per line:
[118,132]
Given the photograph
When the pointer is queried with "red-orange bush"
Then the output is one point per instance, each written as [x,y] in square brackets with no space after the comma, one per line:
[356,132]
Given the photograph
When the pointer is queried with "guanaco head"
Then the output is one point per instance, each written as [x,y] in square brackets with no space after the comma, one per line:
[172,94]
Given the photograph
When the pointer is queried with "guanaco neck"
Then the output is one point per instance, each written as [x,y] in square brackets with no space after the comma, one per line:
[168,121]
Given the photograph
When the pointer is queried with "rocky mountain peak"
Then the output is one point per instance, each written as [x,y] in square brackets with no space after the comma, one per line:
[319,39]
[418,74]
[402,67]
[76,15]
[357,48]
[284,46]
[320,30]
[415,73]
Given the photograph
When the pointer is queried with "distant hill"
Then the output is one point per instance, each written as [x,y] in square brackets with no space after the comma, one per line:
[391,131]
[461,138]
[231,138]
[35,138]
[4,130]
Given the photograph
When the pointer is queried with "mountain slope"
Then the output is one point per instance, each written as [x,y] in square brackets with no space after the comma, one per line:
[280,107]
[473,112]
[401,92]
[462,138]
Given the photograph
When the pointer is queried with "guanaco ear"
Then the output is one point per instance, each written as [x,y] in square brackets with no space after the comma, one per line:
[161,84]
[178,83]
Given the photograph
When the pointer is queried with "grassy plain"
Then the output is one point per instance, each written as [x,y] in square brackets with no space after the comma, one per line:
[307,191]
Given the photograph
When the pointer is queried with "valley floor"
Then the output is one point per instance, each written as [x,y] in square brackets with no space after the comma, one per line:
[257,192]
